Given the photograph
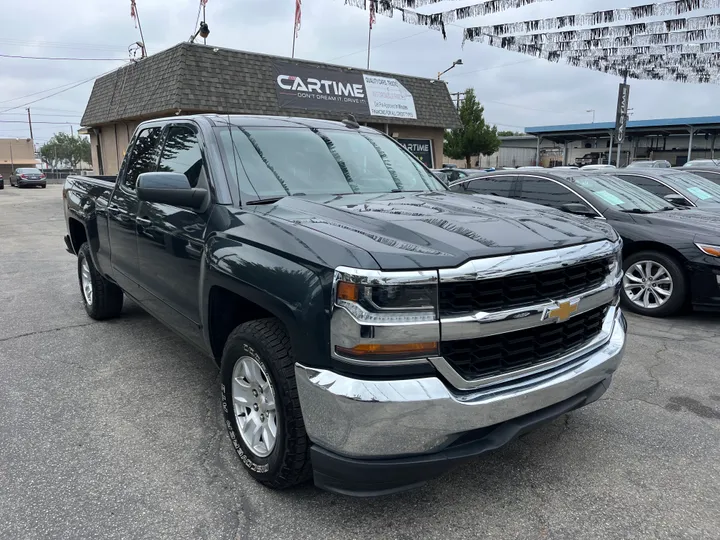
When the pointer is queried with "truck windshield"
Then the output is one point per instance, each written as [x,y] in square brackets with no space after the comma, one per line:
[275,162]
[621,195]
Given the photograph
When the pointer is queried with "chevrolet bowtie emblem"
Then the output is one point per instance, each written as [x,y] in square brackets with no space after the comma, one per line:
[562,312]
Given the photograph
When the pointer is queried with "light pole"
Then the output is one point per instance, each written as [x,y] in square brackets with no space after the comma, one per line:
[457,62]
[593,113]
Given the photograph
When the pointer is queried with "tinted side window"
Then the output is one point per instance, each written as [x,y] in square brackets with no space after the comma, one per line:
[712,176]
[144,156]
[181,154]
[648,184]
[546,192]
[500,186]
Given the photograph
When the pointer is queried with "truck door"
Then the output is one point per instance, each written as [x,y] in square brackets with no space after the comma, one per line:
[123,208]
[171,239]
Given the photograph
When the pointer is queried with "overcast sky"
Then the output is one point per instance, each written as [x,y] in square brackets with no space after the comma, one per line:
[517,91]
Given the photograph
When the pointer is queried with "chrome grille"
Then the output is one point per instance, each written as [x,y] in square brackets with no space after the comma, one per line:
[521,290]
[503,353]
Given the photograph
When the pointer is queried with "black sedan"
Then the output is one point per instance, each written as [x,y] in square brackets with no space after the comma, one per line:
[2,182]
[671,256]
[680,187]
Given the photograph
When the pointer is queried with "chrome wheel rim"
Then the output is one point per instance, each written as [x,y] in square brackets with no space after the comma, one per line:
[254,406]
[648,284]
[86,281]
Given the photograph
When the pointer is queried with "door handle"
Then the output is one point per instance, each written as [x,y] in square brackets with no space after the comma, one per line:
[145,222]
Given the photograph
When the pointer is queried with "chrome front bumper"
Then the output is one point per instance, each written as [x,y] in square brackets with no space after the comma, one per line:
[380,419]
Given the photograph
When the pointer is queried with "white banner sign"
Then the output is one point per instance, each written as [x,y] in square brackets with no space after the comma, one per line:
[387,97]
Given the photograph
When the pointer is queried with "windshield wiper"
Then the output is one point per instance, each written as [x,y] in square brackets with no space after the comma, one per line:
[637,211]
[269,200]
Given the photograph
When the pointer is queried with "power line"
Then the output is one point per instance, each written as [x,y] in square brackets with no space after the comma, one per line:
[379,45]
[63,58]
[74,85]
[61,45]
[44,115]
[34,122]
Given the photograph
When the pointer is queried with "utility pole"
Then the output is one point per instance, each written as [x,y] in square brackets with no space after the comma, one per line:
[457,98]
[204,5]
[72,131]
[30,124]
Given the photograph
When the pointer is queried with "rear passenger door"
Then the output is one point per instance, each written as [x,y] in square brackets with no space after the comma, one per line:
[123,207]
[171,238]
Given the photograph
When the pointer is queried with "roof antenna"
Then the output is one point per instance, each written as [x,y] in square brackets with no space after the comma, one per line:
[351,122]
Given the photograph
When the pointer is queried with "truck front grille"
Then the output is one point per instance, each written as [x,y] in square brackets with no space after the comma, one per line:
[520,290]
[503,353]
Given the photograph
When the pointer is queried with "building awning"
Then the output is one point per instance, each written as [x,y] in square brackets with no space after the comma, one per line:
[640,128]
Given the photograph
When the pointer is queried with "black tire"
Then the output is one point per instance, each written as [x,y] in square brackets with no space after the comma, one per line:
[107,298]
[44,186]
[678,298]
[267,341]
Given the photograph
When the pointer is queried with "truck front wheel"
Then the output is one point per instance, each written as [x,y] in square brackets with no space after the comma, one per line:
[261,405]
[101,298]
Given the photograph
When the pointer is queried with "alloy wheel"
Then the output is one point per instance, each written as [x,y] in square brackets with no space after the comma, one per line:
[254,405]
[648,284]
[86,282]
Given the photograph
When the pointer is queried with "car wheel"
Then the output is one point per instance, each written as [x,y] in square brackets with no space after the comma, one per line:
[44,186]
[261,405]
[102,299]
[654,284]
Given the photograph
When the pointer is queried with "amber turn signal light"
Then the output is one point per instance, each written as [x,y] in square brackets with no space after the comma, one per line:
[348,291]
[714,251]
[382,350]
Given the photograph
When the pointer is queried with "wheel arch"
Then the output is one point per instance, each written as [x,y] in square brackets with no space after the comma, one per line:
[649,245]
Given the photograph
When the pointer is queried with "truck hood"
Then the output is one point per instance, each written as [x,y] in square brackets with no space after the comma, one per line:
[436,229]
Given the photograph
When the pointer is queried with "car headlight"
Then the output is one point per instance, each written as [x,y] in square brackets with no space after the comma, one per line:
[707,249]
[384,315]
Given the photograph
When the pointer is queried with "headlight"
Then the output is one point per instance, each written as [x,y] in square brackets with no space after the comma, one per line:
[384,315]
[707,249]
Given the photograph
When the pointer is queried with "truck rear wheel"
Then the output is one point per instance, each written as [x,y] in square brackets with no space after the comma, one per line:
[101,298]
[261,405]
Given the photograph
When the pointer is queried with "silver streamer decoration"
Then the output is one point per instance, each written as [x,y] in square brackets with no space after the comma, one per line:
[605,17]
[677,48]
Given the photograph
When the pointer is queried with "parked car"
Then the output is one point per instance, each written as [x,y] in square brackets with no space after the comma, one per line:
[670,256]
[598,167]
[591,158]
[680,187]
[373,328]
[649,164]
[2,182]
[442,175]
[709,173]
[27,177]
[702,163]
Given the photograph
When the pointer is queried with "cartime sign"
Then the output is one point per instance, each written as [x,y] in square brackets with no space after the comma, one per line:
[420,148]
[324,89]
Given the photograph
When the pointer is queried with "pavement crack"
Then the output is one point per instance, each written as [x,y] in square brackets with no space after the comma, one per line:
[629,400]
[38,332]
[659,362]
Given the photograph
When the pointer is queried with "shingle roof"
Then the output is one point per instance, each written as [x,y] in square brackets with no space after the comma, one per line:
[198,78]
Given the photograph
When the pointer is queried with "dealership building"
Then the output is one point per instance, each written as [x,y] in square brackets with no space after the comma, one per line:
[191,78]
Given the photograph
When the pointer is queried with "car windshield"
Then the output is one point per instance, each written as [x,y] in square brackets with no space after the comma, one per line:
[694,186]
[621,195]
[703,163]
[276,162]
[29,171]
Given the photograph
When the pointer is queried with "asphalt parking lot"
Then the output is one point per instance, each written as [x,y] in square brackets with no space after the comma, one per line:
[114,430]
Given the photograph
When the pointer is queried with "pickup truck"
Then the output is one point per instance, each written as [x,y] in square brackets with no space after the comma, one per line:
[371,327]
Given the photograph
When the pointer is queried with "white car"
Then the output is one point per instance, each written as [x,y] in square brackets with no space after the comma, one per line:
[598,167]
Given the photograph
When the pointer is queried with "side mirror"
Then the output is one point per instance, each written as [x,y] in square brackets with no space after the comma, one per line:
[677,200]
[578,209]
[170,188]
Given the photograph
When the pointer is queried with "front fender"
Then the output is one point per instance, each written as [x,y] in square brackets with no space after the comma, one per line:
[287,289]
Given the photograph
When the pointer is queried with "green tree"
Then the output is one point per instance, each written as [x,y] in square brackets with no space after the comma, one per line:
[64,149]
[509,133]
[475,137]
